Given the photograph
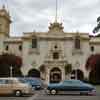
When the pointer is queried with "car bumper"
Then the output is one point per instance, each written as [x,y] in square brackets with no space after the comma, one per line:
[92,93]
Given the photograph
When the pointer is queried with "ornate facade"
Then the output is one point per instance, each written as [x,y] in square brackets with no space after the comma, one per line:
[53,49]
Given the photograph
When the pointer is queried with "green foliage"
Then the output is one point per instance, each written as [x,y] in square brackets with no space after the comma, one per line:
[68,68]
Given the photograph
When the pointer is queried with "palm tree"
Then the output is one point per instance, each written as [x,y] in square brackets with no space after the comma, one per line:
[97,28]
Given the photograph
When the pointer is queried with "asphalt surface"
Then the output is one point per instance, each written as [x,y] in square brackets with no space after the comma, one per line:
[40,95]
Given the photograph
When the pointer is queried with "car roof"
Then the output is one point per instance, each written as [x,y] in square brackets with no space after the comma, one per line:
[8,78]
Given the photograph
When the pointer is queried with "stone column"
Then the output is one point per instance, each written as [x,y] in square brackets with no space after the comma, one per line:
[47,75]
[63,73]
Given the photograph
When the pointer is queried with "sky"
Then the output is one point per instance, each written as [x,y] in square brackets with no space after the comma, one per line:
[36,15]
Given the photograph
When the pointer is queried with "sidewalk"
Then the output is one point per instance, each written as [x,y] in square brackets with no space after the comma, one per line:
[98,89]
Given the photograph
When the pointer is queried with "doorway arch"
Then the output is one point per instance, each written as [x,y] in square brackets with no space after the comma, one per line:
[55,75]
[34,73]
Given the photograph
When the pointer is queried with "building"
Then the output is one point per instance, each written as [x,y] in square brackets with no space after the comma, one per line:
[50,50]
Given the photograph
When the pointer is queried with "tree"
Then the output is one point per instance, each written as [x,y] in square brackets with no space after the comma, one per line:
[97,28]
[92,76]
[8,60]
[42,68]
[68,68]
[93,65]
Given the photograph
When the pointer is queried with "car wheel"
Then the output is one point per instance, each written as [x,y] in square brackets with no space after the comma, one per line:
[53,91]
[17,93]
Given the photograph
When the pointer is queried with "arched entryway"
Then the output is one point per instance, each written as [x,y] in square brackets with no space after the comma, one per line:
[34,73]
[55,75]
[42,69]
[77,74]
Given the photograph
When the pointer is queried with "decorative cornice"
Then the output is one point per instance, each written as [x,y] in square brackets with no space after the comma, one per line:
[55,27]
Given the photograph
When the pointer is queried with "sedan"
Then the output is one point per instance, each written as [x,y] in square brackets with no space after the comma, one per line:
[36,83]
[71,87]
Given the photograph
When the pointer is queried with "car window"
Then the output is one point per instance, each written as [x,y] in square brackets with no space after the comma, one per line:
[2,81]
[67,82]
[8,81]
[22,80]
[72,82]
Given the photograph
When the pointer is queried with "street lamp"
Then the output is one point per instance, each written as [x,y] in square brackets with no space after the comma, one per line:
[11,74]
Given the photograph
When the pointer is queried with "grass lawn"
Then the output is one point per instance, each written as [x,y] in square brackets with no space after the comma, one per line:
[98,88]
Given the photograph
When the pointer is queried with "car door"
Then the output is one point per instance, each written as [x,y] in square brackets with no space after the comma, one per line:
[76,85]
[8,86]
[67,86]
[2,86]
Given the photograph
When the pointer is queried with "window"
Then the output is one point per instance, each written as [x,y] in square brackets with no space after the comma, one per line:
[34,43]
[20,47]
[8,81]
[77,43]
[55,47]
[92,48]
[55,55]
[2,81]
[7,47]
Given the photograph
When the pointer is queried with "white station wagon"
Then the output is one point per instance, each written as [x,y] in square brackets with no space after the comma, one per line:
[14,86]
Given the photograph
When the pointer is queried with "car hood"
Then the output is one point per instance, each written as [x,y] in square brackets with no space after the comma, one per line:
[89,85]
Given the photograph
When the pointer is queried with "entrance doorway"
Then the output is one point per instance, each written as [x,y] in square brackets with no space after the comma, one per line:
[55,75]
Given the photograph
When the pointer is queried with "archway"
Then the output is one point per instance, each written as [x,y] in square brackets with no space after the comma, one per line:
[34,73]
[55,75]
[42,69]
[77,74]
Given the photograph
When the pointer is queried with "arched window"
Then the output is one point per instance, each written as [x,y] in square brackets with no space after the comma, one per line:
[34,43]
[20,47]
[7,47]
[55,55]
[77,43]
[92,48]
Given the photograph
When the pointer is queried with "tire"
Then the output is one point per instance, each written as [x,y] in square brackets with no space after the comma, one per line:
[53,91]
[17,93]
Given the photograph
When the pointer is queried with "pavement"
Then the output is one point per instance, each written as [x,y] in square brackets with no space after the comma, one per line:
[40,95]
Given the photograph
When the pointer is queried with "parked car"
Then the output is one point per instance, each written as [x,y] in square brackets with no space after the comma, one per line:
[36,83]
[71,87]
[14,86]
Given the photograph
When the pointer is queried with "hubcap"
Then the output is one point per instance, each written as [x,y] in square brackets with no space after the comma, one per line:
[53,91]
[18,93]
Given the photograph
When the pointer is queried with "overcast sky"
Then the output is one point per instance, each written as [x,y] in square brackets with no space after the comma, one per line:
[30,15]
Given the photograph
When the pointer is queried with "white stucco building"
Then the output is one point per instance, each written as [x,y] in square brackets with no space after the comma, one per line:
[53,49]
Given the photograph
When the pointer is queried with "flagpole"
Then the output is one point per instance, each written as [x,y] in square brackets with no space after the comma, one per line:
[56,10]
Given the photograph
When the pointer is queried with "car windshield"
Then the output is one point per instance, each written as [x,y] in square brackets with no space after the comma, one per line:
[34,81]
[22,80]
[71,82]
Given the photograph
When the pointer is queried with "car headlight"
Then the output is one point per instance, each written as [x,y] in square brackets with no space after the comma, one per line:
[38,86]
[92,92]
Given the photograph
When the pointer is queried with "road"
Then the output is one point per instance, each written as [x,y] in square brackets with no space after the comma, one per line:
[40,95]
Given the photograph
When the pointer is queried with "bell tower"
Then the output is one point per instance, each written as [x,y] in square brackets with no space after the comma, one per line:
[4,22]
